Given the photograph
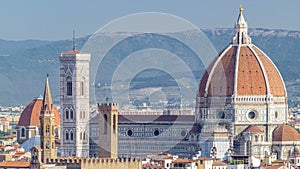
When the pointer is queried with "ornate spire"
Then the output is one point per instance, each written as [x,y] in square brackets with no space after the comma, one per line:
[241,30]
[47,100]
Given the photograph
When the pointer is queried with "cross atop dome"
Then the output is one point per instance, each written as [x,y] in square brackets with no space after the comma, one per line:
[241,30]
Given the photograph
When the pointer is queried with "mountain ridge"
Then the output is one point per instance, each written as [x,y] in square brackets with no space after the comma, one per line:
[24,64]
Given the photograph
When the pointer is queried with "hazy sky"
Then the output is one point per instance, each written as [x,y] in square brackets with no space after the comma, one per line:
[55,19]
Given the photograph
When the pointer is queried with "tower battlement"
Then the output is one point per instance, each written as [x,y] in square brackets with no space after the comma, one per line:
[125,163]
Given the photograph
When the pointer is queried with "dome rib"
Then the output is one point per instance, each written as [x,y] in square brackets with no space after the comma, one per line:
[262,68]
[273,75]
[216,84]
[242,69]
[236,69]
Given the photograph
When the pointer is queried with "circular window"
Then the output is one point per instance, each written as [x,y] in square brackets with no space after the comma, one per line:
[251,115]
[183,133]
[156,132]
[222,115]
[129,132]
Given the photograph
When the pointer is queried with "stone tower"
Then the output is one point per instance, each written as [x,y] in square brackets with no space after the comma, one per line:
[108,130]
[74,100]
[47,119]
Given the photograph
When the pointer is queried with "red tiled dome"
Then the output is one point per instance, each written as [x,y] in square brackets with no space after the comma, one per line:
[285,133]
[254,72]
[242,69]
[31,114]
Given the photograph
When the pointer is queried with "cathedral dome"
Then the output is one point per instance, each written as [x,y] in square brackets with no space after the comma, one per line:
[31,114]
[285,133]
[242,69]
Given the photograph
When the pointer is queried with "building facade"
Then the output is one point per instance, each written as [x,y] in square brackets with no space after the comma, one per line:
[140,135]
[74,100]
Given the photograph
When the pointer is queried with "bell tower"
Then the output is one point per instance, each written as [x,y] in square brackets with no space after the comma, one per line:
[74,100]
[108,130]
[47,119]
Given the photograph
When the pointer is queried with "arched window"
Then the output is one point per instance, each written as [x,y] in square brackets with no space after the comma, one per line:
[47,130]
[256,138]
[47,145]
[82,88]
[23,132]
[56,133]
[80,135]
[105,124]
[114,123]
[71,114]
[69,86]
[71,135]
[67,135]
[67,113]
[192,137]
[84,135]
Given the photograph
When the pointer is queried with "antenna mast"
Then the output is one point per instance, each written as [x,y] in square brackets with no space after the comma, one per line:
[74,45]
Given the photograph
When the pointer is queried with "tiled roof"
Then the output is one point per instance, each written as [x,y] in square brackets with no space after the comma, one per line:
[181,160]
[273,167]
[285,133]
[15,164]
[252,129]
[219,163]
[156,118]
[71,52]
[219,79]
[31,114]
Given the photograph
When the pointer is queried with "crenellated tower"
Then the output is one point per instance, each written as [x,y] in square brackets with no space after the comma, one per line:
[108,130]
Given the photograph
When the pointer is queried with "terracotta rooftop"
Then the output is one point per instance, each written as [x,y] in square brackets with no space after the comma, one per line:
[219,163]
[15,164]
[181,160]
[31,114]
[252,129]
[273,167]
[18,154]
[285,133]
[255,71]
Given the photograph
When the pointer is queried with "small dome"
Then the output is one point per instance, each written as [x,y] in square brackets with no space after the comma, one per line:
[252,129]
[285,133]
[31,114]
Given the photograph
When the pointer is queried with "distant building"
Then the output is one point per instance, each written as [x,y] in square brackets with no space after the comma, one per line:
[140,135]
